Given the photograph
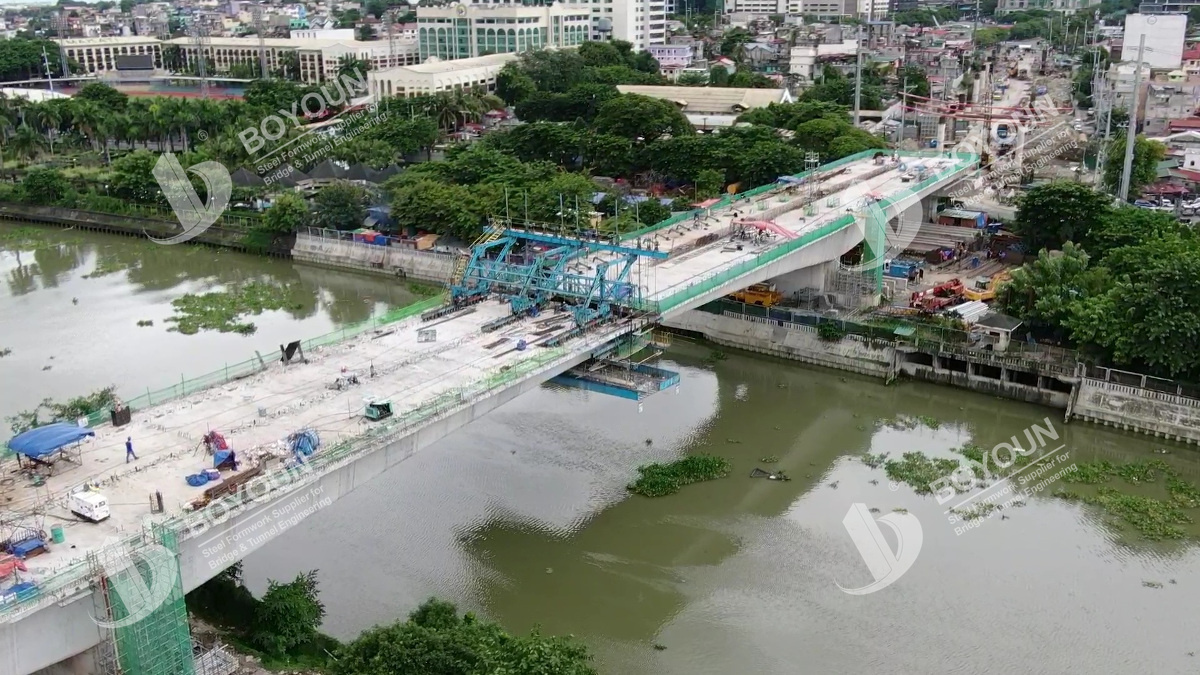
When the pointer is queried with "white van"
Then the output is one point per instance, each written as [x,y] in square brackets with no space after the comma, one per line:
[90,506]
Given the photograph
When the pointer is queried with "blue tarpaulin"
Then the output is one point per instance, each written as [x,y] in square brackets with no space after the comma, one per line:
[42,441]
[304,443]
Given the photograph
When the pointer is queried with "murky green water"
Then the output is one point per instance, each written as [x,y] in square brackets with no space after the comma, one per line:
[523,514]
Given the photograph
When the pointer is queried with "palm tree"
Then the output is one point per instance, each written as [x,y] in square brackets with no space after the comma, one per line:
[47,118]
[26,142]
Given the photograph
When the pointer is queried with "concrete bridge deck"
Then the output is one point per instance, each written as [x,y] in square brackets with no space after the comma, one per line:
[451,379]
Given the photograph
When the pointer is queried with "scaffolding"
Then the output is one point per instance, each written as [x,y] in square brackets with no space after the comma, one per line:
[140,606]
[809,188]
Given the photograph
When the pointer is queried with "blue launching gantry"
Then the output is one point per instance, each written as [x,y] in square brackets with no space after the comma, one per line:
[509,263]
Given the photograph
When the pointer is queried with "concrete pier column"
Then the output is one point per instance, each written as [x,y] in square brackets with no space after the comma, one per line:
[929,209]
[1004,374]
[937,363]
[970,369]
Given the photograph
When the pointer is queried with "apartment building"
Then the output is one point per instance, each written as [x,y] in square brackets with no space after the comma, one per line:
[463,31]
[467,30]
[1166,102]
[822,9]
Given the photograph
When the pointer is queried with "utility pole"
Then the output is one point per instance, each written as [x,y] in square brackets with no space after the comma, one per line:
[1131,130]
[858,50]
[903,108]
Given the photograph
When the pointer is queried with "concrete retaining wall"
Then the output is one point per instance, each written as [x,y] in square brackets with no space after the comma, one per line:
[1150,412]
[987,385]
[790,341]
[387,260]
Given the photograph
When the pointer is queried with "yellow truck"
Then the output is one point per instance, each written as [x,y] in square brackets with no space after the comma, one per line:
[764,295]
[984,288]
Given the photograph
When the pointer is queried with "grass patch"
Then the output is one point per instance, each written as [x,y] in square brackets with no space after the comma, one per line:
[145,322]
[659,480]
[918,471]
[221,311]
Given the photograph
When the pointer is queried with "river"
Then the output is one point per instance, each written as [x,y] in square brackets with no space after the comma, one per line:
[523,516]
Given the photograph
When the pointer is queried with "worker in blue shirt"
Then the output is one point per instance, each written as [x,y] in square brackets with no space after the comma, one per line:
[129,449]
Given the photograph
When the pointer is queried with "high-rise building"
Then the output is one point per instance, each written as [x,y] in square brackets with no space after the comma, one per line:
[463,31]
[467,29]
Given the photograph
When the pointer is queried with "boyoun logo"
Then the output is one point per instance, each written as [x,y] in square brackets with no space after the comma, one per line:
[193,213]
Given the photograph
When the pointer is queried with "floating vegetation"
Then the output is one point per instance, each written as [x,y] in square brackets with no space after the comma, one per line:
[769,460]
[145,322]
[875,461]
[1103,471]
[1152,584]
[977,511]
[931,422]
[714,357]
[221,311]
[5,352]
[1152,518]
[919,471]
[659,480]
[899,509]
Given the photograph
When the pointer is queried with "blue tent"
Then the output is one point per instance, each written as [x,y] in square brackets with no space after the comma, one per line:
[42,441]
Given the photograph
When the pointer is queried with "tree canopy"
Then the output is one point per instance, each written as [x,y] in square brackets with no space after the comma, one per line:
[1123,284]
[435,640]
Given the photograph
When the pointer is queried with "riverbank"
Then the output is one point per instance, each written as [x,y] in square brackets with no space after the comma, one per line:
[1049,378]
[220,235]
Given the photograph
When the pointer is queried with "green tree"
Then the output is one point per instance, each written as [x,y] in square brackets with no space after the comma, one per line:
[1130,226]
[287,214]
[1144,171]
[1048,291]
[913,80]
[1057,212]
[514,85]
[133,178]
[341,206]
[640,118]
[1150,316]
[44,186]
[288,614]
[435,640]
[103,95]
[709,183]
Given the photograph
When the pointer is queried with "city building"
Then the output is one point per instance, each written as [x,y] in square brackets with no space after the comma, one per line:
[99,54]
[671,58]
[319,59]
[435,75]
[463,31]
[1064,6]
[1166,102]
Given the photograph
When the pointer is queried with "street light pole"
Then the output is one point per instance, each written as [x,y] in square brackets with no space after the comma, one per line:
[858,50]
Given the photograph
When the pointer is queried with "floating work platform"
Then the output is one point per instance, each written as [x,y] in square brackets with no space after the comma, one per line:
[634,381]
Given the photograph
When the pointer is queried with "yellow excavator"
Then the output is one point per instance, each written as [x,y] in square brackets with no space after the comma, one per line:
[984,288]
[764,295]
